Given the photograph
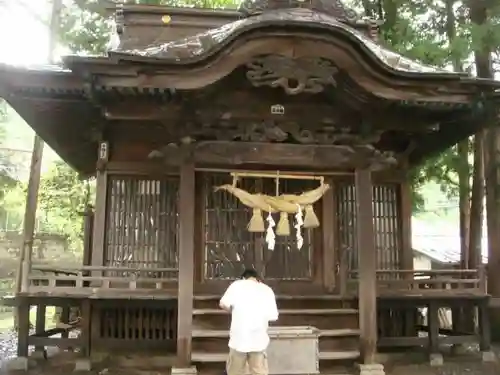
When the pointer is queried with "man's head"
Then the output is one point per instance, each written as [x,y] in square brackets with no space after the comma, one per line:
[250,273]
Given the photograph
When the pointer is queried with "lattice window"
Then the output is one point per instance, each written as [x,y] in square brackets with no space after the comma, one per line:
[142,222]
[386,225]
[229,247]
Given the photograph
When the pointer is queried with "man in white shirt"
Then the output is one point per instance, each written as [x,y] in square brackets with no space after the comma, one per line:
[252,305]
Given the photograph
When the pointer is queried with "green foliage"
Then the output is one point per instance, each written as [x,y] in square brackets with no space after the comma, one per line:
[439,33]
[7,167]
[63,196]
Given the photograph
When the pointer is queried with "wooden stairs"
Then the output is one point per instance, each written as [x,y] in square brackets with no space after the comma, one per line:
[336,318]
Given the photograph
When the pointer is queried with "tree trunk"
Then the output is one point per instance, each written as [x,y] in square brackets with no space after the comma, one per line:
[479,16]
[461,317]
[463,169]
[464,196]
[476,208]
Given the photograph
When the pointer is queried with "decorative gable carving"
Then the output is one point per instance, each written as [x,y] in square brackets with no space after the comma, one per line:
[295,76]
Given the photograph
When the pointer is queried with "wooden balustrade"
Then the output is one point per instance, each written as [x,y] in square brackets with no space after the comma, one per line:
[443,282]
[96,281]
[100,281]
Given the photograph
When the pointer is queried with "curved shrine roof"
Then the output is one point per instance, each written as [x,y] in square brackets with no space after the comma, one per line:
[196,48]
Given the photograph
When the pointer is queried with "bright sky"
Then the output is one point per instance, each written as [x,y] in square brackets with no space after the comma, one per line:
[23,39]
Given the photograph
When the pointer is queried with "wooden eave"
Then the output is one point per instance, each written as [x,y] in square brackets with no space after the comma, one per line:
[54,103]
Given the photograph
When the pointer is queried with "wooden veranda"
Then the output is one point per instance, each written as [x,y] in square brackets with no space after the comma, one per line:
[282,96]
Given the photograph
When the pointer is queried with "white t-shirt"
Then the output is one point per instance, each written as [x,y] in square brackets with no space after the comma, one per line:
[253,306]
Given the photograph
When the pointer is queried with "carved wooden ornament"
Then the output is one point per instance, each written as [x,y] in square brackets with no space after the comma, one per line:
[295,76]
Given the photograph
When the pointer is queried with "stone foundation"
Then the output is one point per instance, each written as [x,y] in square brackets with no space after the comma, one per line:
[185,370]
[18,364]
[436,359]
[489,357]
[371,369]
[83,364]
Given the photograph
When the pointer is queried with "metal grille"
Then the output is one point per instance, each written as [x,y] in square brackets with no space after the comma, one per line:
[142,223]
[229,247]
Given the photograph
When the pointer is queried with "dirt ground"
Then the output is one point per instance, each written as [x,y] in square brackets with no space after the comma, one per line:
[407,363]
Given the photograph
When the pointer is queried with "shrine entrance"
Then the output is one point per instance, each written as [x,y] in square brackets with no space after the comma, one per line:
[287,254]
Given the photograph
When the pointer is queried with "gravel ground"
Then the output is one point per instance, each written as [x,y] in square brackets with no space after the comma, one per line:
[8,343]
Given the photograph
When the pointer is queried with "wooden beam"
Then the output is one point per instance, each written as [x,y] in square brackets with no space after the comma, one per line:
[221,108]
[367,256]
[275,154]
[217,109]
[186,264]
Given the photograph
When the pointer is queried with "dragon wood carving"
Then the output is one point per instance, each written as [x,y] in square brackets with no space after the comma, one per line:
[295,76]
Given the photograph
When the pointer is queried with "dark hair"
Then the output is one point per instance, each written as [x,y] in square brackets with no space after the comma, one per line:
[250,272]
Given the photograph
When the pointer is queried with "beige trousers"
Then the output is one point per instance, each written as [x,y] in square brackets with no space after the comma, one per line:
[237,361]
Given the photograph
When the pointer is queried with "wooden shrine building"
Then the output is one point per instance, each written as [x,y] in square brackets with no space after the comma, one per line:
[197,125]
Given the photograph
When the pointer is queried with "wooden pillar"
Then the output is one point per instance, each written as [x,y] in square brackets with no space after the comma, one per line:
[99,227]
[406,250]
[88,228]
[328,230]
[23,328]
[40,325]
[405,202]
[367,266]
[186,264]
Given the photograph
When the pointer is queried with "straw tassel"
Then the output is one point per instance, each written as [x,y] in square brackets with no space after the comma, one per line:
[283,228]
[270,236]
[256,223]
[310,218]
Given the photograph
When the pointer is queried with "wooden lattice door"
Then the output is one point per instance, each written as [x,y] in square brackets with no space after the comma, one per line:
[229,247]
[386,221]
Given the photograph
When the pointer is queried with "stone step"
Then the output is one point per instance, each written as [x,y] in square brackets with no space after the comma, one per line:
[327,301]
[215,333]
[203,357]
[346,311]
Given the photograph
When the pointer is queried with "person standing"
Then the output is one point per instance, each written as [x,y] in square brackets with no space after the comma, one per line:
[252,305]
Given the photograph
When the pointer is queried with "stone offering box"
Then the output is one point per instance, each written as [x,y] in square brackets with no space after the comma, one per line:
[293,350]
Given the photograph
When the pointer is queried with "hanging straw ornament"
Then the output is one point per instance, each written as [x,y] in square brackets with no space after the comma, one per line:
[283,228]
[256,223]
[298,226]
[310,218]
[270,236]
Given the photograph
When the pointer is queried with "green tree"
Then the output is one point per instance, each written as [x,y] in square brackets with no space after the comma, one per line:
[7,168]
[63,196]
